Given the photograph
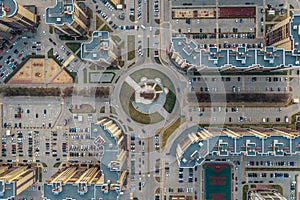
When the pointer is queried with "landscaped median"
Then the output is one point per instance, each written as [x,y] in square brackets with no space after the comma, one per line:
[74,46]
[170,130]
[131,47]
[83,108]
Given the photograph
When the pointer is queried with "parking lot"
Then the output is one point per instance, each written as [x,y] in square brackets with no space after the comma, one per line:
[20,47]
[237,84]
[29,116]
[182,181]
[242,25]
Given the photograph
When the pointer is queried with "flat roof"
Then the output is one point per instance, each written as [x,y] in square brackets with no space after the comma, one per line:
[10,8]
[250,142]
[98,48]
[295,33]
[8,192]
[61,13]
[213,57]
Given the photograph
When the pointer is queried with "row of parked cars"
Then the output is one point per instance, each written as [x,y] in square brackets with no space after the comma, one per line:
[108,5]
[139,10]
[155,7]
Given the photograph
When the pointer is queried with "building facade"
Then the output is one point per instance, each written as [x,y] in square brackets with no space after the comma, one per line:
[16,16]
[100,50]
[68,17]
[15,179]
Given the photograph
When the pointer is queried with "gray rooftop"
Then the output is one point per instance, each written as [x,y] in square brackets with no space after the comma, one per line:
[241,57]
[110,151]
[61,13]
[98,48]
[10,6]
[251,145]
[295,33]
[8,190]
[70,191]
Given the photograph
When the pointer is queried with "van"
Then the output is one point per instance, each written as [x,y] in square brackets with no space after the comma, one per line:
[286,118]
[261,45]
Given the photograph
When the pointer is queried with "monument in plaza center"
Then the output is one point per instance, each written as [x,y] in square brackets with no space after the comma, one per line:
[149,93]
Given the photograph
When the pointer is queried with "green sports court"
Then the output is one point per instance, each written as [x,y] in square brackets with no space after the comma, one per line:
[217,181]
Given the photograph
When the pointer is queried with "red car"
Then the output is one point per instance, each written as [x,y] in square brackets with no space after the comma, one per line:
[12,60]
[20,55]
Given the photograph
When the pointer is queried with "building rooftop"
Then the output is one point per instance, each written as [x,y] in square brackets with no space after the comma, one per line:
[79,183]
[8,8]
[6,190]
[186,53]
[61,13]
[98,48]
[192,149]
[295,33]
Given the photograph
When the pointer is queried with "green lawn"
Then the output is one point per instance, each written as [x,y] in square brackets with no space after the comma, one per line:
[50,53]
[79,55]
[276,187]
[40,174]
[82,38]
[170,101]
[66,37]
[56,165]
[44,164]
[106,28]
[170,130]
[157,178]
[112,110]
[131,55]
[85,108]
[112,68]
[99,22]
[116,38]
[132,18]
[121,63]
[102,109]
[245,192]
[131,47]
[157,60]
[277,17]
[89,13]
[74,46]
[50,29]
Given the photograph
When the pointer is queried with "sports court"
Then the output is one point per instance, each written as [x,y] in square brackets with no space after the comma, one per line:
[236,12]
[217,181]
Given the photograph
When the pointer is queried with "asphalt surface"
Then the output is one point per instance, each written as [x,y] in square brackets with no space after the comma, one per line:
[144,163]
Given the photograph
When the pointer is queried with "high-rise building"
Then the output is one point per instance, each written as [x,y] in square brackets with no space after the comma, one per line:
[68,17]
[16,16]
[279,36]
[265,195]
[5,32]
[100,50]
[14,180]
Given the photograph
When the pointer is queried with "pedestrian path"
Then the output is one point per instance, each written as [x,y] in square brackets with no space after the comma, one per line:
[132,83]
